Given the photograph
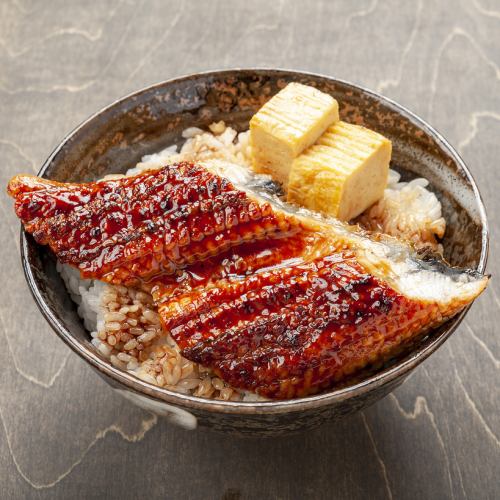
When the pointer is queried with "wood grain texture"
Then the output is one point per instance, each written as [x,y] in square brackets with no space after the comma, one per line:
[64,433]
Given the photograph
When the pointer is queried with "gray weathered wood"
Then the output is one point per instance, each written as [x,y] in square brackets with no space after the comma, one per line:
[63,433]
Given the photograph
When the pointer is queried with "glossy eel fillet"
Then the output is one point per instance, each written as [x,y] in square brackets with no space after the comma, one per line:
[134,228]
[293,317]
[307,322]
[282,304]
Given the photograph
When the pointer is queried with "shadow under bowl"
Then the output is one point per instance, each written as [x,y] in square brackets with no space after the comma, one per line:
[115,139]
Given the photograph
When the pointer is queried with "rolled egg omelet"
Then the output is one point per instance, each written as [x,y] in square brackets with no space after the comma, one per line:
[343,173]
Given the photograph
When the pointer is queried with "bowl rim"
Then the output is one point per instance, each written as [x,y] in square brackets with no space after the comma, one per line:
[163,395]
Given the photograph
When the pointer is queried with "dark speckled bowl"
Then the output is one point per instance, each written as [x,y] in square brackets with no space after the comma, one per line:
[114,139]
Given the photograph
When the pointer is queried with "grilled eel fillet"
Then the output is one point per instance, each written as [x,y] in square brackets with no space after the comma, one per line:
[138,227]
[281,305]
[311,319]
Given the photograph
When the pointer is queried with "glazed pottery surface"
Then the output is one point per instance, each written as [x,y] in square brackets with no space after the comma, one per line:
[116,138]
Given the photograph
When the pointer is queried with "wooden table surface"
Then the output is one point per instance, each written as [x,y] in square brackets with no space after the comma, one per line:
[64,433]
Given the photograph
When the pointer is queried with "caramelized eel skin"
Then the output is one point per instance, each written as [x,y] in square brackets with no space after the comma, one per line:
[134,228]
[291,331]
[271,304]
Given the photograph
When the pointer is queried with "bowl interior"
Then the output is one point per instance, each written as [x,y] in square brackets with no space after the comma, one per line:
[117,137]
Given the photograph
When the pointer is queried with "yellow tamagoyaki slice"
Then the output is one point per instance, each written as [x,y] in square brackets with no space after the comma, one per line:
[287,124]
[343,174]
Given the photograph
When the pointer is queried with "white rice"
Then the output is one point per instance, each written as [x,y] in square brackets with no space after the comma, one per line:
[408,210]
[124,324]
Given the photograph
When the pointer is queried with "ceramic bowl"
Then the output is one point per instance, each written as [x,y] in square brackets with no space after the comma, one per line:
[115,138]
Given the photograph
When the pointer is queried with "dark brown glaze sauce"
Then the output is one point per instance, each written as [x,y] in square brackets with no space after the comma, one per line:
[239,262]
[142,226]
[288,324]
[270,306]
